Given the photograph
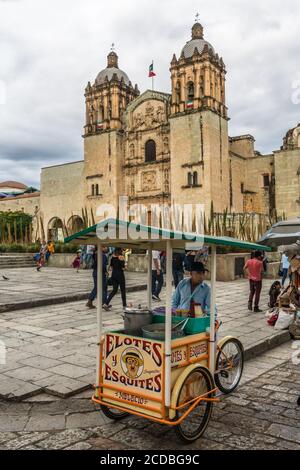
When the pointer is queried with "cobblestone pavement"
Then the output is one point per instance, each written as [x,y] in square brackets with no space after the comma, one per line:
[53,348]
[261,414]
[27,284]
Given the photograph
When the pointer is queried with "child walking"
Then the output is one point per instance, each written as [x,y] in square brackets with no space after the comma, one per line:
[76,261]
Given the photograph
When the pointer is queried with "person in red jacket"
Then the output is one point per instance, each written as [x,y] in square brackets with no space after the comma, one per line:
[254,269]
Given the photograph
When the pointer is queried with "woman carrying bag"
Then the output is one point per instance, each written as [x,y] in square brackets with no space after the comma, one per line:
[117,264]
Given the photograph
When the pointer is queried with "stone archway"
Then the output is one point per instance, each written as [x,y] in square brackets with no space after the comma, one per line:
[55,230]
[75,224]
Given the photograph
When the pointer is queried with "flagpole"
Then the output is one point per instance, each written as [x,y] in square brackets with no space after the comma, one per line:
[152,77]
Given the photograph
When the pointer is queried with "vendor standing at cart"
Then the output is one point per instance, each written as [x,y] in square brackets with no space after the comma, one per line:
[193,291]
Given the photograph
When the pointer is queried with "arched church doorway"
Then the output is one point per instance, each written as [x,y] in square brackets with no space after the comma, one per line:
[55,230]
[75,224]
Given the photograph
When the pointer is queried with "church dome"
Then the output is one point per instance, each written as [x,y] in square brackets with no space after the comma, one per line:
[196,41]
[111,69]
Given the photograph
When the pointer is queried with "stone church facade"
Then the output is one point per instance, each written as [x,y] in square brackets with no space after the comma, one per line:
[157,147]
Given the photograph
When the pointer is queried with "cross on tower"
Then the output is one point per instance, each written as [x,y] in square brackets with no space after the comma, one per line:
[197,18]
[112,47]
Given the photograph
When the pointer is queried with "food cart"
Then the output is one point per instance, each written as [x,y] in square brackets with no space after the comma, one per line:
[169,381]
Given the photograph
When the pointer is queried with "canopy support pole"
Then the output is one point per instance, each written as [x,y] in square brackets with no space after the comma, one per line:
[168,318]
[99,309]
[212,343]
[149,277]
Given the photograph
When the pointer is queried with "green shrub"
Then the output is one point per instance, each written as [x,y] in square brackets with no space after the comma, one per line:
[35,248]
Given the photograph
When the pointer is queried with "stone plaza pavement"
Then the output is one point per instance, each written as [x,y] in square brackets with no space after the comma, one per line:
[261,414]
[27,287]
[52,349]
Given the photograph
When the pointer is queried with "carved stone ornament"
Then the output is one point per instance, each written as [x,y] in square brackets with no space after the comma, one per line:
[148,180]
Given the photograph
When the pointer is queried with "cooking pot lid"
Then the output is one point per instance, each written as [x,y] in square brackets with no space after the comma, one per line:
[134,310]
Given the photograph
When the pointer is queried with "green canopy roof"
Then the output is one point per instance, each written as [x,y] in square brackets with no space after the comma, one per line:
[150,235]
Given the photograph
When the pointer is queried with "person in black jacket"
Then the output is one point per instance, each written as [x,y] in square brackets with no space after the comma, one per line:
[93,293]
[117,264]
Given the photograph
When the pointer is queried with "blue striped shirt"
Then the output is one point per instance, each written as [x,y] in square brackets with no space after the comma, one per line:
[183,295]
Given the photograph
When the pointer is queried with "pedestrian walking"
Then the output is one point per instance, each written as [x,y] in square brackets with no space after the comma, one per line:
[285,265]
[157,275]
[254,269]
[76,261]
[163,260]
[117,265]
[90,249]
[177,268]
[41,256]
[93,293]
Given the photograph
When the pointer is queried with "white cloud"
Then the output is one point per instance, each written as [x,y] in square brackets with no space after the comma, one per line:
[50,49]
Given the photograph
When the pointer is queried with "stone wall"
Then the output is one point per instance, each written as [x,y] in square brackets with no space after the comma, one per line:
[238,178]
[242,145]
[103,160]
[61,192]
[256,168]
[199,143]
[287,182]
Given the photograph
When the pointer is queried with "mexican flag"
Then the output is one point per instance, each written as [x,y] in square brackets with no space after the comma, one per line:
[151,71]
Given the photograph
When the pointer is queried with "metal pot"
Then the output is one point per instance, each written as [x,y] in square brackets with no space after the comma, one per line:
[136,318]
[157,331]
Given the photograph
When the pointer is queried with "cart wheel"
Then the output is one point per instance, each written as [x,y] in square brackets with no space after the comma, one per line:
[229,365]
[198,382]
[113,413]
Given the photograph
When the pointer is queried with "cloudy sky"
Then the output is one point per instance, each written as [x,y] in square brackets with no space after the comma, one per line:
[50,49]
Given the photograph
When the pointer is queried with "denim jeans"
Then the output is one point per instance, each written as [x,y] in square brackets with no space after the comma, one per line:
[93,294]
[157,282]
[284,275]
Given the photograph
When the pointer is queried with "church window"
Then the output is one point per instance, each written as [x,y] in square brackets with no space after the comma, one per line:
[190,179]
[266,180]
[191,91]
[97,189]
[166,145]
[178,97]
[131,151]
[150,151]
[93,190]
[242,188]
[201,85]
[195,178]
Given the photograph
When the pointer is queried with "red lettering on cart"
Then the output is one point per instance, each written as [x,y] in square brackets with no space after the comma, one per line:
[198,350]
[156,356]
[113,342]
[152,384]
[110,374]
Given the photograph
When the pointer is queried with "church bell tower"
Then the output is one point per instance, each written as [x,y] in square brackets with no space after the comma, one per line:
[199,125]
[106,101]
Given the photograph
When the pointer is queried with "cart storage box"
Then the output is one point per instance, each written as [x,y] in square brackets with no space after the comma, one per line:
[193,326]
